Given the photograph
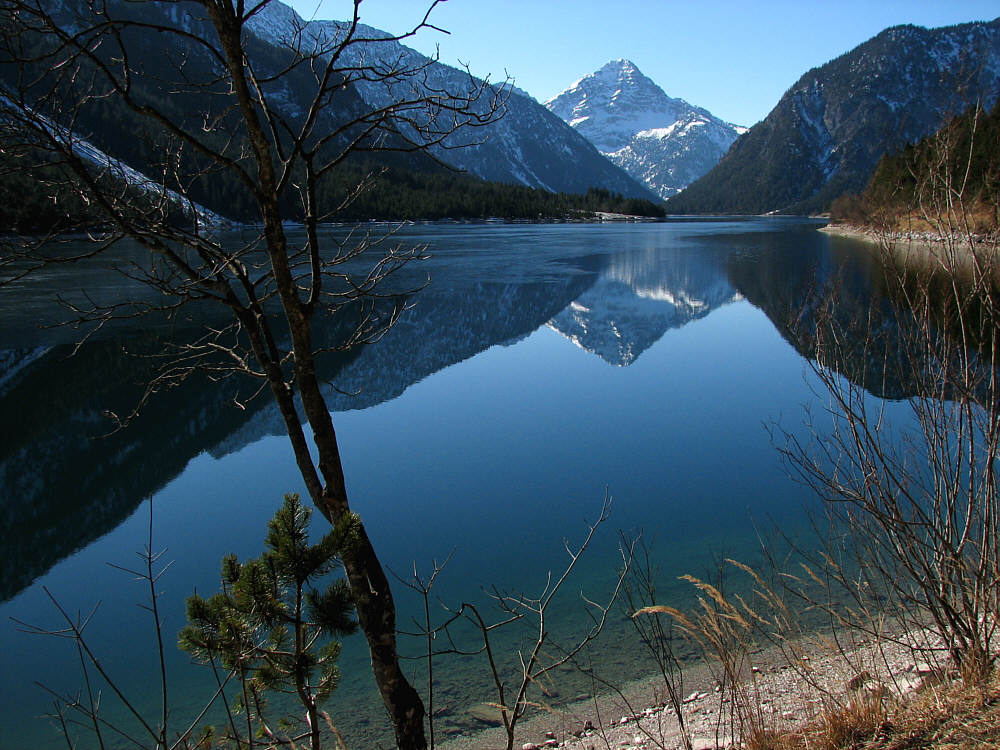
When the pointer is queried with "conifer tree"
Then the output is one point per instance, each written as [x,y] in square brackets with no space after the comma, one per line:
[272,627]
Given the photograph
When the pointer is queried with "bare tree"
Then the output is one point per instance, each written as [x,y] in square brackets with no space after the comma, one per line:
[516,676]
[659,641]
[212,107]
[542,655]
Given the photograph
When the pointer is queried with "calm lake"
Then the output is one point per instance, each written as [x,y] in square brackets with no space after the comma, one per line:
[542,367]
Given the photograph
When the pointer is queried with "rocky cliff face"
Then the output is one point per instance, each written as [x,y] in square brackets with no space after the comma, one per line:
[830,129]
[663,142]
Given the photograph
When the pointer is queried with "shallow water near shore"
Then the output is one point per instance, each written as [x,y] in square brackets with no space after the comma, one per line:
[543,367]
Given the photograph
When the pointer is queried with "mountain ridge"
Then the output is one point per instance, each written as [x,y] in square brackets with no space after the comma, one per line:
[528,145]
[829,129]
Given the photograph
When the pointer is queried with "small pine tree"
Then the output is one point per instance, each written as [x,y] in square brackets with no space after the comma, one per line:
[271,627]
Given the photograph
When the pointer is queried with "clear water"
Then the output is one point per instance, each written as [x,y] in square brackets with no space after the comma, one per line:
[543,366]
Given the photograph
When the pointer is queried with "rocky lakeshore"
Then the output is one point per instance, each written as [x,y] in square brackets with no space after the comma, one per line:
[779,693]
[877,235]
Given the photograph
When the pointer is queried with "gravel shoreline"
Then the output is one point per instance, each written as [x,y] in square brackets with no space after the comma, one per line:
[782,694]
[872,234]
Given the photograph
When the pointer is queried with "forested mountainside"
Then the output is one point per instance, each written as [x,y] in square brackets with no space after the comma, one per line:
[956,168]
[829,130]
[409,185]
[401,194]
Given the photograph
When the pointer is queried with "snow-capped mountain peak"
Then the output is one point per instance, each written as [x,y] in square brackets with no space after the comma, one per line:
[661,141]
[612,104]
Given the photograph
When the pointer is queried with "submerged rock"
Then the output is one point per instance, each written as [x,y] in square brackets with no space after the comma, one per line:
[486,713]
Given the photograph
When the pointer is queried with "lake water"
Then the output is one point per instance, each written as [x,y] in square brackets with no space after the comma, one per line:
[543,366]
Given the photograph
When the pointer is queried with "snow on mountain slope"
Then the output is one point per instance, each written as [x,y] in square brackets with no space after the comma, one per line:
[118,170]
[528,145]
[663,142]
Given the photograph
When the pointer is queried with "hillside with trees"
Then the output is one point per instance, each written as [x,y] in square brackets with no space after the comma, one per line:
[402,180]
[828,131]
[37,199]
[952,175]
[39,194]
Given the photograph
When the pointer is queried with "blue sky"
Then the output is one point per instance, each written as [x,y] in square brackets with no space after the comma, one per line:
[734,58]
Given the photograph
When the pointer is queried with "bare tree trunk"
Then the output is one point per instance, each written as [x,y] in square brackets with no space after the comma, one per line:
[372,594]
[369,585]
[377,617]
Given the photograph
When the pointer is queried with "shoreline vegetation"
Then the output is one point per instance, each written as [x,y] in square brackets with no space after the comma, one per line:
[944,188]
[408,196]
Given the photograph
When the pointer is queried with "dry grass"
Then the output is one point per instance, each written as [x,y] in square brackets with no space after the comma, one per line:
[845,725]
[951,715]
[978,218]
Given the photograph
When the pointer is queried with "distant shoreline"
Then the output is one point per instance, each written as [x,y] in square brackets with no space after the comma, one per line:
[599,217]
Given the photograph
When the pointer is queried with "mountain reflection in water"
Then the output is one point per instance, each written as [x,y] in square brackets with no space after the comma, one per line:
[65,481]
